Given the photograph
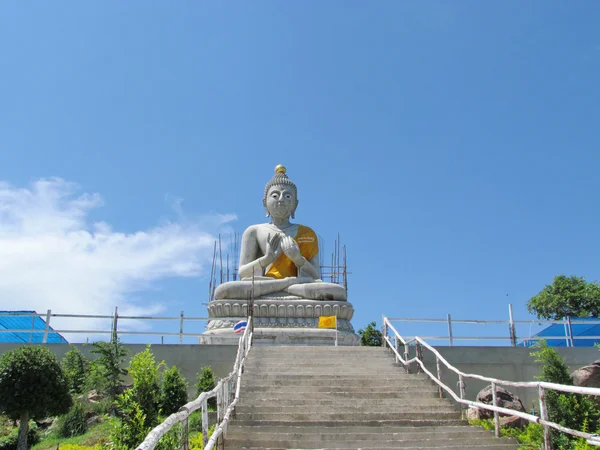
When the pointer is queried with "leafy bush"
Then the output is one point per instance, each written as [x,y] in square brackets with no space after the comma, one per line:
[10,440]
[130,428]
[569,410]
[206,383]
[370,336]
[73,423]
[195,421]
[74,366]
[530,438]
[146,387]
[196,441]
[173,393]
[105,370]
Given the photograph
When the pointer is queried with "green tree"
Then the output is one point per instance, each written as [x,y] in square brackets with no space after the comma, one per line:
[206,382]
[107,367]
[370,336]
[173,392]
[566,296]
[146,383]
[32,385]
[569,410]
[75,367]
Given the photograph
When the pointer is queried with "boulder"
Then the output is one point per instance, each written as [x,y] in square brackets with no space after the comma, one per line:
[587,376]
[504,399]
[513,422]
[94,396]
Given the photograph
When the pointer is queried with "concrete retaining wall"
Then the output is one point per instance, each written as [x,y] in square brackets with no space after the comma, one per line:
[188,358]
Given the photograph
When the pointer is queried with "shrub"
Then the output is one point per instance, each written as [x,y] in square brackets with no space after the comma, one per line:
[173,393]
[196,441]
[130,428]
[146,388]
[74,366]
[73,423]
[569,410]
[106,372]
[205,383]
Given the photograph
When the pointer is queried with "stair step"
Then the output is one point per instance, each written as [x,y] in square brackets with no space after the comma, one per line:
[340,402]
[387,443]
[350,416]
[345,409]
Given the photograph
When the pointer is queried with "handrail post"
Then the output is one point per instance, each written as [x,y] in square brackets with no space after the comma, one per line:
[461,388]
[511,326]
[204,422]
[45,338]
[383,331]
[181,328]
[544,416]
[396,347]
[419,356]
[496,415]
[439,375]
[114,336]
[450,330]
[406,357]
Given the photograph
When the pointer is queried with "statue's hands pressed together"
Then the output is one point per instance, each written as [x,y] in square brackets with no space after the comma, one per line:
[273,249]
[290,247]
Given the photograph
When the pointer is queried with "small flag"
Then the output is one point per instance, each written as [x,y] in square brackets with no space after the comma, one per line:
[240,327]
[327,322]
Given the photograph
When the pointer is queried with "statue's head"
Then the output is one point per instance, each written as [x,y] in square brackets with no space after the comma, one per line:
[281,196]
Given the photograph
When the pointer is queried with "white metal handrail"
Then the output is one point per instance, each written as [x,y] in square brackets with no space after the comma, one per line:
[225,405]
[592,439]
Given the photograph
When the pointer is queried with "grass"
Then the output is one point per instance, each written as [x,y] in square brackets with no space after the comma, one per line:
[96,434]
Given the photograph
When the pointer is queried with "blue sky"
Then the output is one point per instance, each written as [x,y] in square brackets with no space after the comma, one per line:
[454,145]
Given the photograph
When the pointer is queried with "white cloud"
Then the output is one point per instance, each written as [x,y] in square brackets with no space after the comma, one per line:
[52,257]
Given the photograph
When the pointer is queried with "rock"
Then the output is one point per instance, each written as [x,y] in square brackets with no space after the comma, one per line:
[504,399]
[474,414]
[94,396]
[93,420]
[513,422]
[587,376]
[45,423]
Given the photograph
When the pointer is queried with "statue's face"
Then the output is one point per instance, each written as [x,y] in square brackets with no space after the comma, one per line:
[281,201]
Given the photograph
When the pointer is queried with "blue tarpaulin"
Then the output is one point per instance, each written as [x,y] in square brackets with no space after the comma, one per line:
[576,329]
[36,324]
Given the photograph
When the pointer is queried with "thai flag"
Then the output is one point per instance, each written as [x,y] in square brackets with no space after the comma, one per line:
[240,327]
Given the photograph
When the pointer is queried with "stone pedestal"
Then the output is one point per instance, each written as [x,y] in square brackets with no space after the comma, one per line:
[281,320]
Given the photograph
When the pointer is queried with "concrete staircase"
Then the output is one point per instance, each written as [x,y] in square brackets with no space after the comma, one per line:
[345,397]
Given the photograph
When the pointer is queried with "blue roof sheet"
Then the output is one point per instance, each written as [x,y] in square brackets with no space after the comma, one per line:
[578,329]
[33,323]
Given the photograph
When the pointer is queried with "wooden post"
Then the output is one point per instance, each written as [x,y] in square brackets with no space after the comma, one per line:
[461,387]
[439,375]
[204,423]
[544,416]
[496,415]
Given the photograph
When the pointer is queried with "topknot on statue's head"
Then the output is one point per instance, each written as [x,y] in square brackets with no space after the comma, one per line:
[280,179]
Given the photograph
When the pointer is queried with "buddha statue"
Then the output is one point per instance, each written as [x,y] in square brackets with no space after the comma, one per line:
[280,257]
